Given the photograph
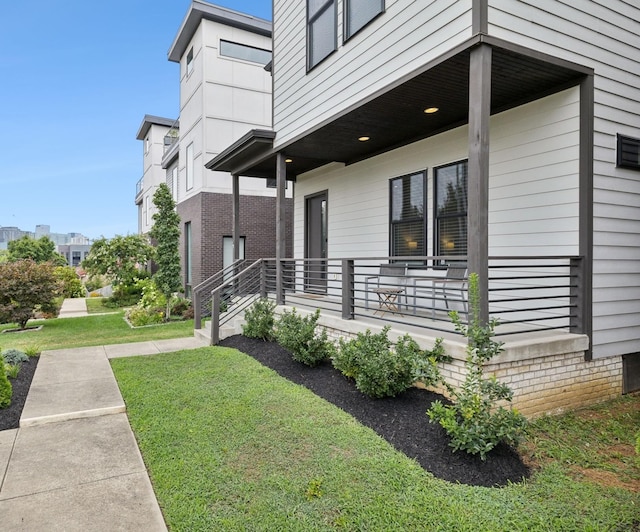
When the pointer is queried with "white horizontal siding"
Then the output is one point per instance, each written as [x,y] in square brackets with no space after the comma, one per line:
[542,220]
[603,35]
[406,36]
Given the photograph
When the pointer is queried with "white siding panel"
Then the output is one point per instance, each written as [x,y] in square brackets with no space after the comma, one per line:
[603,35]
[406,36]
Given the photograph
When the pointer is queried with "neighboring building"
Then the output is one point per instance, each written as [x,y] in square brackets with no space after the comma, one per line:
[157,135]
[224,90]
[394,112]
[74,253]
[7,234]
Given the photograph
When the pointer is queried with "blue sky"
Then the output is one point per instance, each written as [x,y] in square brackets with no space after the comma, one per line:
[76,79]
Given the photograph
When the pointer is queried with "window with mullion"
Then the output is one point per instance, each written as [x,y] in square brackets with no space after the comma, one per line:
[408,223]
[451,209]
[321,30]
[358,13]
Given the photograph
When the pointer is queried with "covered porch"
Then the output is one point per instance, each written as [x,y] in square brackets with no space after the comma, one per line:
[528,293]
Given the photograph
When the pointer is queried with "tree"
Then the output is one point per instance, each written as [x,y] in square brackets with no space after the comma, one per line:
[41,250]
[166,232]
[120,258]
[25,285]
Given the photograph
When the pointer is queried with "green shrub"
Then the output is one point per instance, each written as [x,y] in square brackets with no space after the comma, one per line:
[383,370]
[95,282]
[6,390]
[179,305]
[260,320]
[14,356]
[152,297]
[12,371]
[477,422]
[69,283]
[298,334]
[139,316]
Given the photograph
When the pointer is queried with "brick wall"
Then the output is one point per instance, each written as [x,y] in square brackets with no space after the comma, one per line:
[211,219]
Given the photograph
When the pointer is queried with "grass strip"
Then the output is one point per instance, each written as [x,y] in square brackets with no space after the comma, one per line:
[66,333]
[230,445]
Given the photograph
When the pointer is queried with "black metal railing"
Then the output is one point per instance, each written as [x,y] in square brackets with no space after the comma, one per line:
[525,293]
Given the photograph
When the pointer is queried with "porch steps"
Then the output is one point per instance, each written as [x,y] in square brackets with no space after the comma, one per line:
[228,329]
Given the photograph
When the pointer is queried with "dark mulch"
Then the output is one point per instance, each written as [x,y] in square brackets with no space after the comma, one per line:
[401,420]
[10,416]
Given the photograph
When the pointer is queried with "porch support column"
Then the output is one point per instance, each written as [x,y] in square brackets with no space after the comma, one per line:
[583,323]
[478,176]
[236,216]
[281,175]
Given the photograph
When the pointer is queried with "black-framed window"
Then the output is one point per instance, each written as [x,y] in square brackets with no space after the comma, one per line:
[628,152]
[358,13]
[321,30]
[408,227]
[450,225]
[189,62]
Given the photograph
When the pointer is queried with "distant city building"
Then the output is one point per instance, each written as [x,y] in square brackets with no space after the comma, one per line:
[73,246]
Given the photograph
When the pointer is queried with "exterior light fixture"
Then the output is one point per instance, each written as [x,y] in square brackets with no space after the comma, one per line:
[431,110]
[288,160]
[363,139]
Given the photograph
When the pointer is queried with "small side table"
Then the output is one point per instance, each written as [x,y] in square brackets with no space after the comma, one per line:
[388,299]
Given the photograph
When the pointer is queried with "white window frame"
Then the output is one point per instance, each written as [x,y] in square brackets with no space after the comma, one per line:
[189,62]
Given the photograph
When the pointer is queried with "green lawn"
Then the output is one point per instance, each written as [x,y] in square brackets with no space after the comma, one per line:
[230,445]
[95,306]
[90,330]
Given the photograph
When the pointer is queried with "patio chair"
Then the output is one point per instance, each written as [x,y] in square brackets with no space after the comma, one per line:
[451,286]
[388,285]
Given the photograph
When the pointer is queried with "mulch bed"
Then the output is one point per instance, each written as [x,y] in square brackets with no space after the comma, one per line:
[10,416]
[401,420]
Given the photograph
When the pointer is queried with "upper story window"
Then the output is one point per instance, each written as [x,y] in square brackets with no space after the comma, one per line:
[451,209]
[146,145]
[244,52]
[628,152]
[358,13]
[408,226]
[189,171]
[190,62]
[321,30]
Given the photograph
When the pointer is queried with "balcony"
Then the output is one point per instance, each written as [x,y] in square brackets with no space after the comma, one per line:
[171,138]
[139,189]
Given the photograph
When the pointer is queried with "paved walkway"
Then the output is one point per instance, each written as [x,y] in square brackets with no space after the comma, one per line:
[73,308]
[74,464]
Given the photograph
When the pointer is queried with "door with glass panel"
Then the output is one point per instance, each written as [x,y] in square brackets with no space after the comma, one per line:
[315,269]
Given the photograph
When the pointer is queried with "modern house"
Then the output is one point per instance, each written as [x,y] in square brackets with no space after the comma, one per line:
[224,91]
[496,137]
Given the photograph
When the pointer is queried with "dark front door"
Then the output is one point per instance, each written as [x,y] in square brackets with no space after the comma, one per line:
[315,271]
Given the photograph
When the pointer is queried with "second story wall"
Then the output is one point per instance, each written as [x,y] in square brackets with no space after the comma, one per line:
[407,35]
[222,97]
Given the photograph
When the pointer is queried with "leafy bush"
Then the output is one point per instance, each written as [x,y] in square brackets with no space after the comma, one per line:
[95,282]
[383,370]
[139,316]
[179,306]
[298,334]
[6,390]
[25,286]
[12,371]
[476,422]
[14,356]
[260,320]
[152,297]
[69,283]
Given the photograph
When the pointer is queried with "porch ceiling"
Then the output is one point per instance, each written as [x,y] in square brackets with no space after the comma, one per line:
[396,116]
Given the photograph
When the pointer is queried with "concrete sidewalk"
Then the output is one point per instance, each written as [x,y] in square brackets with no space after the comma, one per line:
[74,463]
[73,308]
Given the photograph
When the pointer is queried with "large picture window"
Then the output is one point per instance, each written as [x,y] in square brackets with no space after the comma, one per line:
[321,30]
[451,209]
[408,222]
[358,13]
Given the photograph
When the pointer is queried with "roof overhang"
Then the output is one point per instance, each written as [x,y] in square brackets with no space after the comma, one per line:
[203,10]
[395,117]
[150,120]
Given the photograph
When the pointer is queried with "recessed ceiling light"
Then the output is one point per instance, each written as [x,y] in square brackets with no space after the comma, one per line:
[363,139]
[431,110]
[288,160]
